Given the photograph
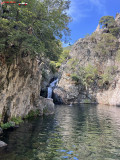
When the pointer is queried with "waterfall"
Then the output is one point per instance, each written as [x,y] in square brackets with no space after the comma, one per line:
[50,88]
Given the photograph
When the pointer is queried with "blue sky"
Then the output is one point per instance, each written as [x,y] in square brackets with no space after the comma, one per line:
[86,15]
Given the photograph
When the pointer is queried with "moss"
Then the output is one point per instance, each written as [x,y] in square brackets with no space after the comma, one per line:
[17,120]
[32,114]
[7,125]
[87,101]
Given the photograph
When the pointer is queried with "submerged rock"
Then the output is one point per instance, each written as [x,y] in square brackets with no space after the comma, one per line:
[2,144]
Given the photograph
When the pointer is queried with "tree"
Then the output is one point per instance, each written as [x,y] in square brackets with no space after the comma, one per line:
[35,28]
[109,22]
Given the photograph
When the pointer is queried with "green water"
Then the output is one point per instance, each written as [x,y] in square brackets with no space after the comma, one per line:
[85,132]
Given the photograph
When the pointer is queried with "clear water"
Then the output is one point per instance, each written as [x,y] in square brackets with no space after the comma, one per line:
[85,132]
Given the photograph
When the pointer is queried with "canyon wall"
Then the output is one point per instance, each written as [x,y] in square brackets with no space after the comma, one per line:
[92,73]
[20,87]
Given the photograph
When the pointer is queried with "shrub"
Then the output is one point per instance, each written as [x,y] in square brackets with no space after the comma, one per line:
[7,125]
[32,114]
[53,66]
[17,120]
[106,45]
[75,77]
[90,73]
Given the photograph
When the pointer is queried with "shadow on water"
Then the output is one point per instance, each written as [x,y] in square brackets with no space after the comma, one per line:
[79,132]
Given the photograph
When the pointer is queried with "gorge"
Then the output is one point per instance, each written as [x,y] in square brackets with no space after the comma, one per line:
[58,102]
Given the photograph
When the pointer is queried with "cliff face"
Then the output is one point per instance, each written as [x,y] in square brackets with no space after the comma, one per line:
[92,74]
[20,86]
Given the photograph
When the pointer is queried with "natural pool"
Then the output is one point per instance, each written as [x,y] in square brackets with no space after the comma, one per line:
[79,132]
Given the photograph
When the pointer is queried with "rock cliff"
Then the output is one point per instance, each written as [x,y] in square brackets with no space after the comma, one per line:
[92,74]
[20,86]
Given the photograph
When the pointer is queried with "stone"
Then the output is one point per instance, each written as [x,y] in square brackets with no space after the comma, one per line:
[1,131]
[2,144]
[48,106]
[98,28]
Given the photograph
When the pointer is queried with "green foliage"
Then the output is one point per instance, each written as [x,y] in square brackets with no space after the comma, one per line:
[75,77]
[90,73]
[56,64]
[109,22]
[17,120]
[32,114]
[108,74]
[68,48]
[63,56]
[87,101]
[33,29]
[114,31]
[86,75]
[7,125]
[71,61]
[106,45]
[53,66]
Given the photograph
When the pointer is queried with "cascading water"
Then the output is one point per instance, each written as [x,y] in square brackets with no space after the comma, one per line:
[50,88]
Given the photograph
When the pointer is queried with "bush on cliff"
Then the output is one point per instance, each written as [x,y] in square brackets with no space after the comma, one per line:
[106,46]
[109,22]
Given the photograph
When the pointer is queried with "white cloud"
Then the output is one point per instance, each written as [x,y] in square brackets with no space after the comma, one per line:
[100,4]
[82,8]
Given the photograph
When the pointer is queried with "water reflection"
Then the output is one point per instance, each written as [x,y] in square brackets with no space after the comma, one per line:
[80,132]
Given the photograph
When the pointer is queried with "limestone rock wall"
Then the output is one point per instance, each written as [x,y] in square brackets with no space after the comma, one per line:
[20,86]
[82,54]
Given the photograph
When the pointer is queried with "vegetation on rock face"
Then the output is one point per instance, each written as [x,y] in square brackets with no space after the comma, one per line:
[92,75]
[7,125]
[106,46]
[14,121]
[55,65]
[109,22]
[32,114]
[35,28]
[17,120]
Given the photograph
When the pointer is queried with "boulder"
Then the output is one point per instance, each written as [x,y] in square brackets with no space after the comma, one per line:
[47,105]
[59,96]
[2,144]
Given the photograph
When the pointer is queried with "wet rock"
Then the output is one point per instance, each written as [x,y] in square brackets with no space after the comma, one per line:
[59,96]
[48,106]
[1,131]
[2,144]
